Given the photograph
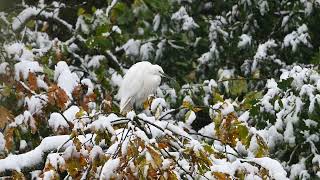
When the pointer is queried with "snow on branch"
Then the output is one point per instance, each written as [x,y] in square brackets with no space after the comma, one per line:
[34,158]
[36,13]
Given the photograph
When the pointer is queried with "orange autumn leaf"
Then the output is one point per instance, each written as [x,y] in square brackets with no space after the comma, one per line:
[57,96]
[221,176]
[32,80]
[5,117]
[8,136]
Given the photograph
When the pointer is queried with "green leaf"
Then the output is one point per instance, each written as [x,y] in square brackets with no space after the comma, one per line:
[49,72]
[238,87]
[243,133]
[285,83]
[81,11]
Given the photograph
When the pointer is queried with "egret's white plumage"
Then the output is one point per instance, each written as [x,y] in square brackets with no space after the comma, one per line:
[141,80]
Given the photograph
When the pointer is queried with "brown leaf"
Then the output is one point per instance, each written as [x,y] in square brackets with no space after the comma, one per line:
[155,156]
[221,176]
[32,79]
[5,117]
[8,136]
[163,145]
[57,96]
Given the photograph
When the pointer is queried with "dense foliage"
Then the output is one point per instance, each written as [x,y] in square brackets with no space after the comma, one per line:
[244,104]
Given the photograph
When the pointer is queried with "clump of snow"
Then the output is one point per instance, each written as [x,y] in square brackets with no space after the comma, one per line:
[34,157]
[132,47]
[35,103]
[65,79]
[24,67]
[109,168]
[224,74]
[191,117]
[116,29]
[244,116]
[264,7]
[82,26]
[95,61]
[116,79]
[146,51]
[95,152]
[70,113]
[19,52]
[89,84]
[104,123]
[262,52]
[182,16]
[245,40]
[295,38]
[55,160]
[4,67]
[158,102]
[23,17]
[208,130]
[2,142]
[57,121]
[23,145]
[156,22]
[274,167]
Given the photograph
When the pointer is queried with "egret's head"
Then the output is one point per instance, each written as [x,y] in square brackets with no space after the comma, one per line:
[157,70]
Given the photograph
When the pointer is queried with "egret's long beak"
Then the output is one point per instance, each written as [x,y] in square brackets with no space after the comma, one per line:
[167,76]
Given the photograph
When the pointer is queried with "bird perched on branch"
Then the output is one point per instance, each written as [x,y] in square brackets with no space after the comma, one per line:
[141,80]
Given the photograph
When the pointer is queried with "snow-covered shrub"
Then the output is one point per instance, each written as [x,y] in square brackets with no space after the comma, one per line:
[229,114]
[288,116]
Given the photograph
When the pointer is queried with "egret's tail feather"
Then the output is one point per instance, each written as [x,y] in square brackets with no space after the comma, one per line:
[126,106]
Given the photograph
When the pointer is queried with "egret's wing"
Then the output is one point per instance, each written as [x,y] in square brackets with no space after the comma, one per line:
[131,85]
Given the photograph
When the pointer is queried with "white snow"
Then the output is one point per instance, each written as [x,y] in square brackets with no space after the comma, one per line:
[109,168]
[274,167]
[262,52]
[182,16]
[192,116]
[132,47]
[82,26]
[245,40]
[35,103]
[89,84]
[158,102]
[208,130]
[95,152]
[65,79]
[19,52]
[96,61]
[56,160]
[146,51]
[156,22]
[24,67]
[23,144]
[2,142]
[104,123]
[23,17]
[295,38]
[57,121]
[244,116]
[34,157]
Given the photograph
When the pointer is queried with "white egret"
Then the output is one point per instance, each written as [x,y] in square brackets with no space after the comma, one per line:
[141,80]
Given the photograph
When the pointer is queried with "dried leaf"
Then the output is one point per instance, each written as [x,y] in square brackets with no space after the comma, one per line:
[8,136]
[221,176]
[155,156]
[5,117]
[57,96]
[186,104]
[32,80]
